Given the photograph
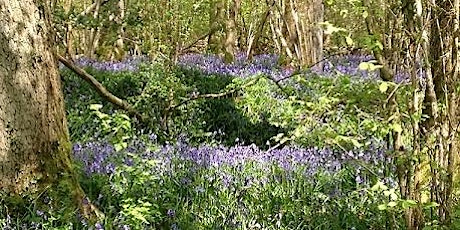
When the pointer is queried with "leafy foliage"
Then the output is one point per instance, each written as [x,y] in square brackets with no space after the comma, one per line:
[318,111]
[323,131]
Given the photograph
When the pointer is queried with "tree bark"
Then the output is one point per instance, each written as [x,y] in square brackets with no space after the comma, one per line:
[119,44]
[259,30]
[299,30]
[233,9]
[443,123]
[215,23]
[34,140]
[94,34]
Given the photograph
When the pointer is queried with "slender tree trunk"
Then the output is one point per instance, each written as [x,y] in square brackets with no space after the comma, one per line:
[253,43]
[279,29]
[231,30]
[34,141]
[69,48]
[93,35]
[119,44]
[215,23]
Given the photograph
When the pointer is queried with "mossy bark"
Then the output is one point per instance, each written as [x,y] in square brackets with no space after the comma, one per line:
[34,140]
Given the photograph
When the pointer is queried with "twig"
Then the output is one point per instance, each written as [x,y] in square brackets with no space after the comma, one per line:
[298,71]
[393,92]
[213,95]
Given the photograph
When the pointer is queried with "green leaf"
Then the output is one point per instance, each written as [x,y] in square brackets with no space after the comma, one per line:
[278,136]
[95,107]
[356,143]
[397,128]
[120,146]
[408,204]
[382,207]
[349,41]
[392,204]
[373,67]
[379,186]
[365,14]
[430,205]
[383,87]
[379,45]
[363,66]
[329,28]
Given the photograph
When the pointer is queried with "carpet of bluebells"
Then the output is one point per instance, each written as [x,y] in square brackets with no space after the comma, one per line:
[214,187]
[180,185]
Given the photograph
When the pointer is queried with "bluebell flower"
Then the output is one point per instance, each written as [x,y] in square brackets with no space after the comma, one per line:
[99,226]
[171,213]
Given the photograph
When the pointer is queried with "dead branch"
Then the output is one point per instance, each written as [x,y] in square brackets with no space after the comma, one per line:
[101,90]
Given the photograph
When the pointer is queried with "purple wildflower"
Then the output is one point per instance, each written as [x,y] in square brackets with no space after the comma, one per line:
[171,213]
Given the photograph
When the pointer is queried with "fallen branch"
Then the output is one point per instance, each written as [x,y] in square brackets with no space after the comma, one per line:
[101,90]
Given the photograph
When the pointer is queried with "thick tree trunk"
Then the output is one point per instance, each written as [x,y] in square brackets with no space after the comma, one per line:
[34,141]
[311,42]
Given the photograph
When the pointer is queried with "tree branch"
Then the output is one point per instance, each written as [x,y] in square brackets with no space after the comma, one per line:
[101,90]
[92,7]
[213,95]
[197,40]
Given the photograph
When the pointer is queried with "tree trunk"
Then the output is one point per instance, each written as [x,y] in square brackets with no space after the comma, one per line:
[34,141]
[311,42]
[69,48]
[252,44]
[442,125]
[233,9]
[215,23]
[120,20]
[302,37]
[94,34]
[279,29]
